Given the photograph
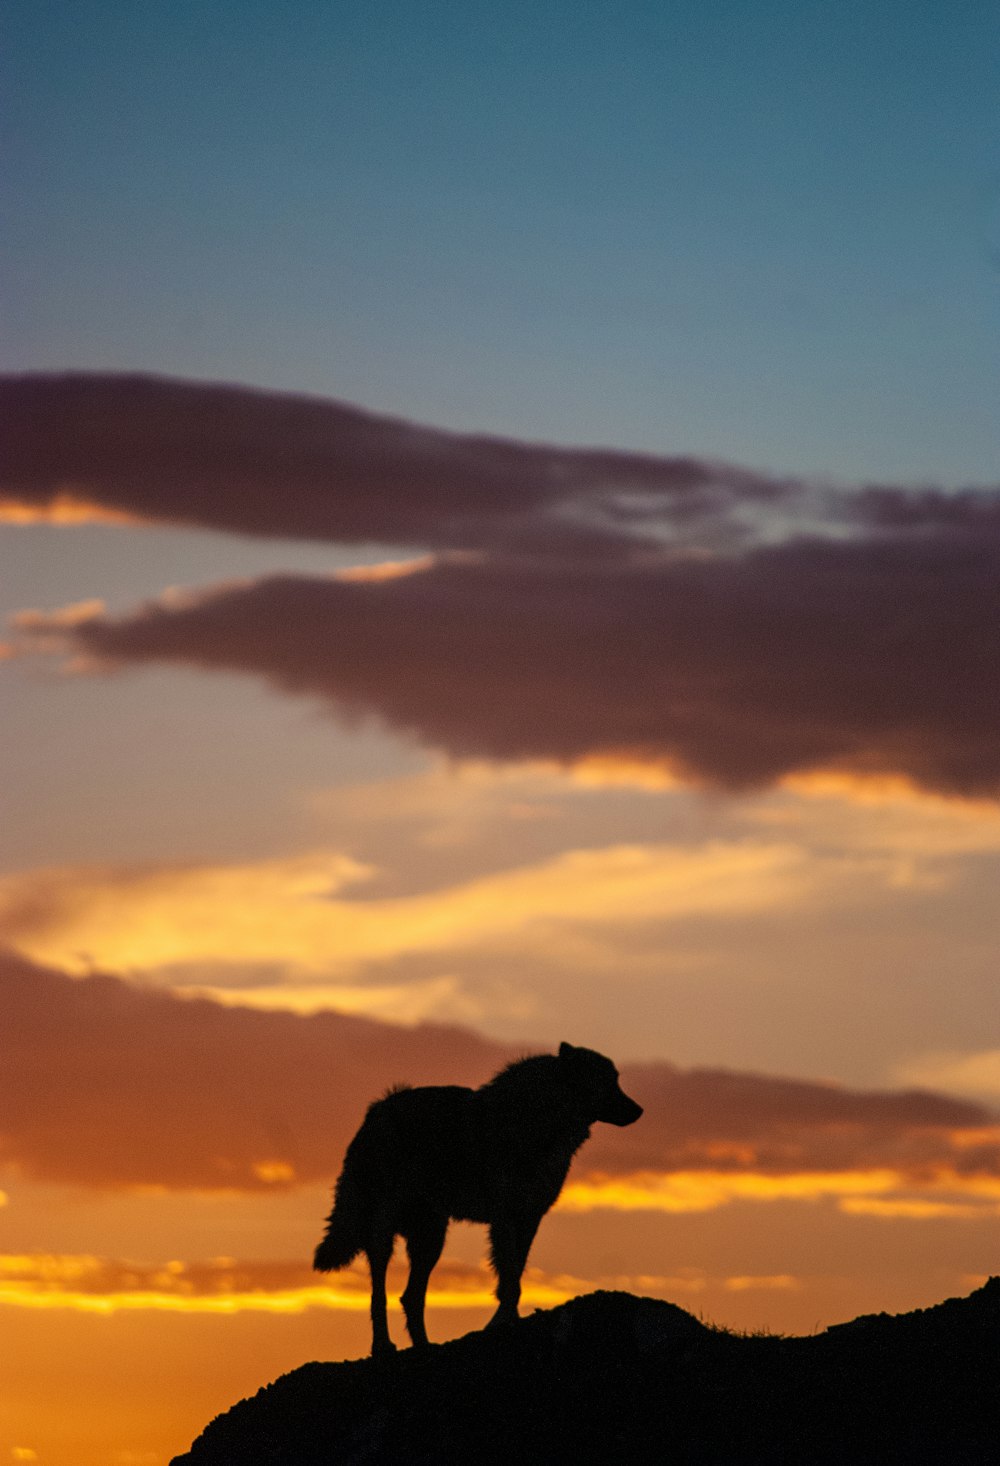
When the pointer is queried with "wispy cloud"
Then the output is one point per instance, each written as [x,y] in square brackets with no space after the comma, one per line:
[295,912]
[88,1284]
[225,1285]
[877,1192]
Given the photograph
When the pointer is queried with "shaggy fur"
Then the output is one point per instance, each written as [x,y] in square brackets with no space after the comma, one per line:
[498,1155]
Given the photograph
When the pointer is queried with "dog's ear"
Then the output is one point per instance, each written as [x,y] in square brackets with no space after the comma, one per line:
[566,1051]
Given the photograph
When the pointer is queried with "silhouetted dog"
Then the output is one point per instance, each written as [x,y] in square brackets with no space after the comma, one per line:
[497,1155]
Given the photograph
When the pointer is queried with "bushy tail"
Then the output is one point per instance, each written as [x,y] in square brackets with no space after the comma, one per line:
[344,1237]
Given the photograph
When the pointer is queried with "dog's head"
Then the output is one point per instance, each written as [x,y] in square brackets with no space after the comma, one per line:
[594,1080]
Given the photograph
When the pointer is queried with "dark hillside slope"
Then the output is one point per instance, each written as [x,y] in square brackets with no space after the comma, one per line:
[614,1378]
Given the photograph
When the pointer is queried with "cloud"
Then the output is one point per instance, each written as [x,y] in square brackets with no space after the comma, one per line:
[62,509]
[867,658]
[225,1285]
[297,912]
[108,1084]
[774,1135]
[89,1284]
[700,620]
[977,1075]
[266,463]
[857,1193]
[150,449]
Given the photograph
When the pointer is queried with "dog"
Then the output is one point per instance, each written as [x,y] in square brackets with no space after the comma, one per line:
[498,1155]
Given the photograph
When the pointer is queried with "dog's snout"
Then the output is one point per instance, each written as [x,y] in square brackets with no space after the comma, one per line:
[626,1111]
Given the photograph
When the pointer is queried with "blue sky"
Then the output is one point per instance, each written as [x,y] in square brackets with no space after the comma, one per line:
[765,232]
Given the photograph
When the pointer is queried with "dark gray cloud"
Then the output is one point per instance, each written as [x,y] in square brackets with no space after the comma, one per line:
[735,626]
[108,1084]
[273,464]
[265,463]
[875,656]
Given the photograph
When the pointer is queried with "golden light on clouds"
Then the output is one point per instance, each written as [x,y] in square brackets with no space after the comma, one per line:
[291,911]
[62,619]
[404,1003]
[101,1286]
[66,509]
[90,1284]
[911,1209]
[783,1282]
[274,1173]
[386,569]
[895,1193]
[696,1191]
[125,919]
[624,769]
[878,789]
[104,1287]
[881,790]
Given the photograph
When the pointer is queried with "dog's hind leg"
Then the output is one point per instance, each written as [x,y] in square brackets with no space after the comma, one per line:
[378,1250]
[424,1241]
[510,1243]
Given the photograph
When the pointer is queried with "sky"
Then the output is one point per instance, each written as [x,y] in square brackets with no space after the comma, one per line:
[499,532]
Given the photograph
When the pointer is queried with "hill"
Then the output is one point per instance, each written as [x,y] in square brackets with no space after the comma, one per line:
[612,1377]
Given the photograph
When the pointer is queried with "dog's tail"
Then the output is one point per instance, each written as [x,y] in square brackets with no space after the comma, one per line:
[345,1230]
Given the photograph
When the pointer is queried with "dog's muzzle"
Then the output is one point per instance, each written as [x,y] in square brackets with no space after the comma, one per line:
[624,1112]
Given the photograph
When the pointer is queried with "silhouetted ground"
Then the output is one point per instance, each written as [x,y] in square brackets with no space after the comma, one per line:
[614,1378]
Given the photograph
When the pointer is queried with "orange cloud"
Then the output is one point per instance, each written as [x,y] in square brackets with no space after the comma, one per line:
[783,1282]
[695,1191]
[386,569]
[110,1084]
[88,1284]
[880,790]
[611,769]
[63,509]
[884,816]
[912,1209]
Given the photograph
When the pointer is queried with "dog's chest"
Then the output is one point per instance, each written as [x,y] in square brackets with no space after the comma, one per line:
[540,1170]
[549,1173]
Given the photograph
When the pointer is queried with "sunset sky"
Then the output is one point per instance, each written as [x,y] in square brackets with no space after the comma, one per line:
[499,543]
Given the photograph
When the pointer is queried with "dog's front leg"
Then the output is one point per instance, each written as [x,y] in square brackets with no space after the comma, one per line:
[510,1243]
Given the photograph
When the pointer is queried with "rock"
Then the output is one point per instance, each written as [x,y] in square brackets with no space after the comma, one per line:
[614,1378]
